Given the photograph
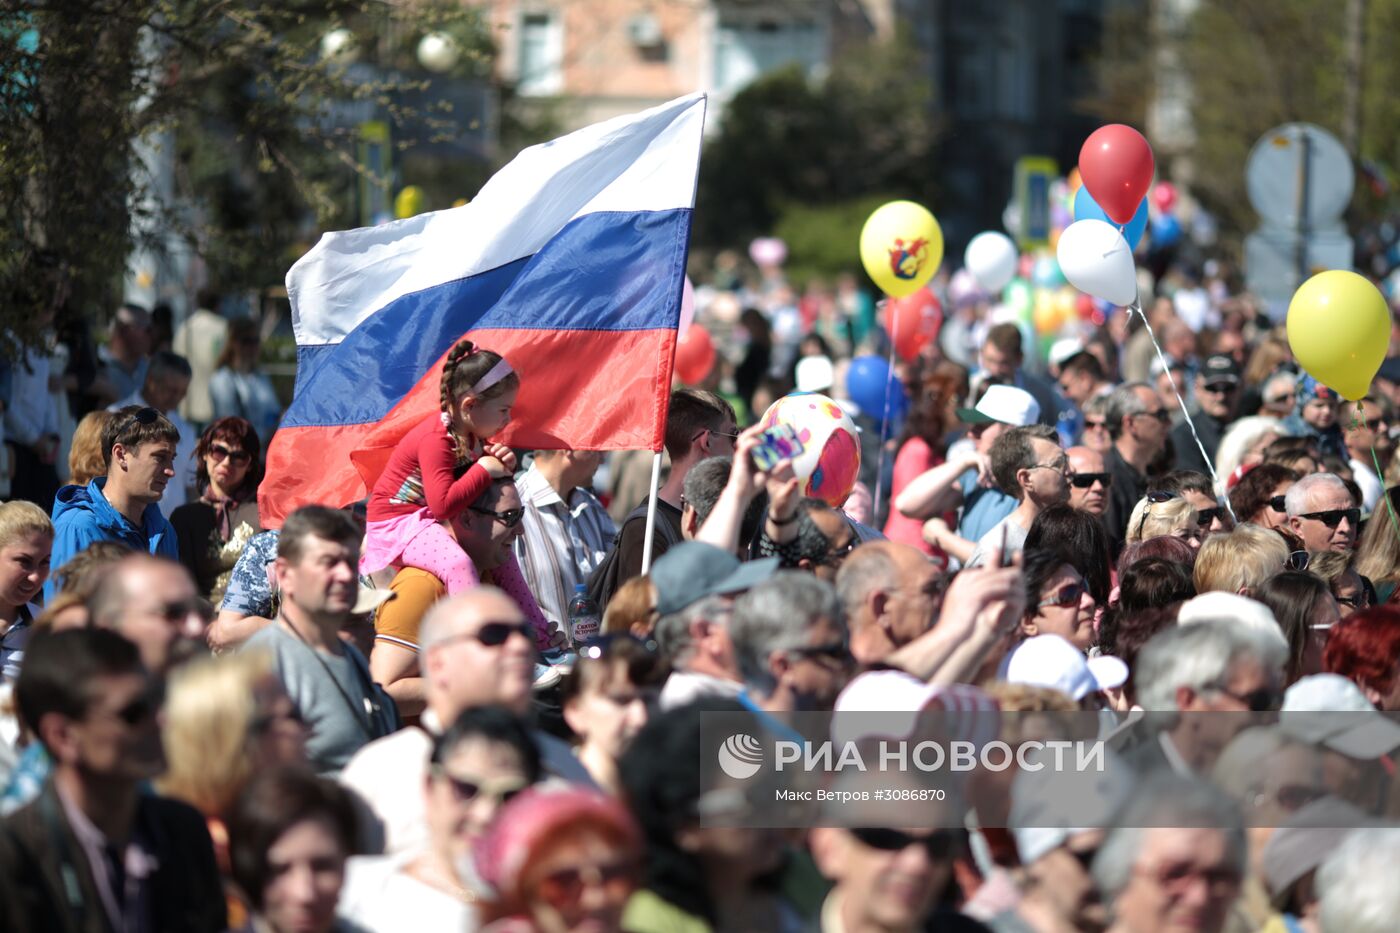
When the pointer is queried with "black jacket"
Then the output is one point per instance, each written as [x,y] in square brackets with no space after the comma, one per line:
[47,886]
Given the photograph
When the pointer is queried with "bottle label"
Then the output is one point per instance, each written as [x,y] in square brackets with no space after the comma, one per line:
[582,628]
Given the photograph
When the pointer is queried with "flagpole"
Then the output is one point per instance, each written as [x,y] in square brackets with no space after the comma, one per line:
[651,510]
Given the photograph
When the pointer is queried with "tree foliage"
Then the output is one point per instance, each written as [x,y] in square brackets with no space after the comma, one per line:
[1253,65]
[237,87]
[867,127]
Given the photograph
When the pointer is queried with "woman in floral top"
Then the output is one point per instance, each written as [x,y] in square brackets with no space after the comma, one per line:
[213,531]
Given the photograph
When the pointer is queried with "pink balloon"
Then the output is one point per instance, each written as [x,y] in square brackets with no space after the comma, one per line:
[768,251]
[687,306]
[1164,196]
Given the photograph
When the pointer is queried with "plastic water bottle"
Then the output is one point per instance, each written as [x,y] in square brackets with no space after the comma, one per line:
[584,617]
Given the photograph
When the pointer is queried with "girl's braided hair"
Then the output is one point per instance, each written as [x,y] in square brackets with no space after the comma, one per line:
[466,364]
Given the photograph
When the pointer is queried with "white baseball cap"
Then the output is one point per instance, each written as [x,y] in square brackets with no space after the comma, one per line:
[1233,609]
[1062,349]
[899,698]
[1006,404]
[1330,710]
[1051,661]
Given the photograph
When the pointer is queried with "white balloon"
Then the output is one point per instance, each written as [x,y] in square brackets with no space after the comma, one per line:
[1096,259]
[437,52]
[991,258]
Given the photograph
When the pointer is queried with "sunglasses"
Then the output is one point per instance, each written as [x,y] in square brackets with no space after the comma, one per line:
[1087,480]
[510,517]
[1095,425]
[1364,600]
[1219,388]
[838,651]
[1160,414]
[1085,857]
[144,707]
[470,788]
[1257,701]
[494,634]
[1285,397]
[143,417]
[835,556]
[1277,504]
[563,889]
[1155,497]
[218,453]
[939,844]
[600,646]
[1206,517]
[1070,595]
[1333,517]
[180,610]
[1298,560]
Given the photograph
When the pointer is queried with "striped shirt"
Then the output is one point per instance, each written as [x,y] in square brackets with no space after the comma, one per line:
[563,543]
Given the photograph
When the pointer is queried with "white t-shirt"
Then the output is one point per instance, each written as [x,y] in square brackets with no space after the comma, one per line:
[378,897]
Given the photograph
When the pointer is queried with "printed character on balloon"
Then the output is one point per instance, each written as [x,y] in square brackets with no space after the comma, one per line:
[829,462]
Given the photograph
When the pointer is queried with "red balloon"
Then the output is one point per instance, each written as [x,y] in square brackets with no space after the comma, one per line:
[1085,306]
[695,355]
[1164,196]
[1116,165]
[913,322]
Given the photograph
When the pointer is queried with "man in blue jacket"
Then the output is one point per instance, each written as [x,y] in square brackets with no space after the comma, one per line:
[138,445]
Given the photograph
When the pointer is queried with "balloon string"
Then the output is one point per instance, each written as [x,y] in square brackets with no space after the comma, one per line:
[885,419]
[1357,416]
[1214,479]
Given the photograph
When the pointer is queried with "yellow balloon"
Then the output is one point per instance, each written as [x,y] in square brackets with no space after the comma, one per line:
[410,201]
[1048,315]
[1339,329]
[901,245]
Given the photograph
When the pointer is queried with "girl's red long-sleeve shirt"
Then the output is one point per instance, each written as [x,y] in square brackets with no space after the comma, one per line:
[419,473]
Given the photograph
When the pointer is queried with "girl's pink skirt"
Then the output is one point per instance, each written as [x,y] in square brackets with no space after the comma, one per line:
[385,540]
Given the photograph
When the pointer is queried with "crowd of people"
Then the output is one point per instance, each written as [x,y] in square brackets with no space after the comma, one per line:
[383,716]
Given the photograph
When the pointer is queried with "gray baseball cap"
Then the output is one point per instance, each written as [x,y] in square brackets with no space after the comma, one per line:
[692,570]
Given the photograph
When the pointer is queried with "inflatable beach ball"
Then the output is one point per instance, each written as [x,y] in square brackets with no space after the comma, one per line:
[830,458]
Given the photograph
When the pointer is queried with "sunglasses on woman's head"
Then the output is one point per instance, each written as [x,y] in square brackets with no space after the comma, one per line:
[217,453]
[1155,497]
[1298,561]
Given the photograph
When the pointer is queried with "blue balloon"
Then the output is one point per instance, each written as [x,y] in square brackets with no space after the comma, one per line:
[1046,273]
[1086,208]
[1166,231]
[867,381]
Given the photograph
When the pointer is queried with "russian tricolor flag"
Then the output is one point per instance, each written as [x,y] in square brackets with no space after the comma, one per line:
[570,263]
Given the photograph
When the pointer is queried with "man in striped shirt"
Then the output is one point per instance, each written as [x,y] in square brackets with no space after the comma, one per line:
[567,530]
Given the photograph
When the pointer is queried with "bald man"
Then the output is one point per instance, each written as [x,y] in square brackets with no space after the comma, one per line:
[475,649]
[892,594]
[154,604]
[1087,466]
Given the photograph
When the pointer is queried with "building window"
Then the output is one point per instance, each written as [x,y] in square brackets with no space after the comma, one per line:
[747,49]
[541,58]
